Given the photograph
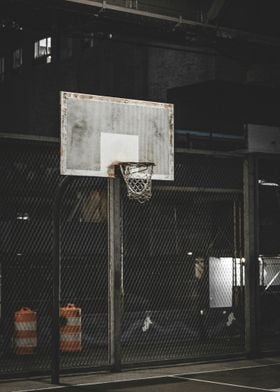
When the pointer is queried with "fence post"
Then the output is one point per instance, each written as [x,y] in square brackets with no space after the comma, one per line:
[251,245]
[115,272]
[55,358]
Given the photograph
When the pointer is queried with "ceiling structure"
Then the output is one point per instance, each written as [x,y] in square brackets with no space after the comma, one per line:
[253,22]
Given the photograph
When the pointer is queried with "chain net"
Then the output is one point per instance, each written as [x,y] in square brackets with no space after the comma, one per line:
[138,179]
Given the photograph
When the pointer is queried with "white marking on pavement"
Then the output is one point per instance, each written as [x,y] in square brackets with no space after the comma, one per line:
[228,369]
[221,383]
[177,375]
[41,389]
[88,384]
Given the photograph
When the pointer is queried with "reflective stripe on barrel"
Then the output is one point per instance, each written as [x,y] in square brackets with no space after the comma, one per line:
[25,331]
[27,342]
[70,331]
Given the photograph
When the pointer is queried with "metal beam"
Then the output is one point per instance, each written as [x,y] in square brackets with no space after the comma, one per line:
[228,32]
[192,189]
[28,137]
[213,153]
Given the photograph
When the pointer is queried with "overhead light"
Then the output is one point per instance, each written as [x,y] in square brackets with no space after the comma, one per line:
[23,216]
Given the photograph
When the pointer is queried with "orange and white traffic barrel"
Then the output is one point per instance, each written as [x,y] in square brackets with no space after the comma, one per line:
[70,328]
[25,331]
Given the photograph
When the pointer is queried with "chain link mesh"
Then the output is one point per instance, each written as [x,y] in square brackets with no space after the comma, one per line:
[84,277]
[29,179]
[183,268]
[269,261]
[29,176]
[182,265]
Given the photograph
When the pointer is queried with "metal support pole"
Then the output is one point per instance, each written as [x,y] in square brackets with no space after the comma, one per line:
[251,244]
[55,359]
[115,272]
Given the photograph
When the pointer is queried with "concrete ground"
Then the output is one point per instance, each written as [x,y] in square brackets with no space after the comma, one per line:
[247,375]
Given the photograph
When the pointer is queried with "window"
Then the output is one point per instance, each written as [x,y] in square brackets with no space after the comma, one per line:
[17,58]
[42,49]
[2,69]
[89,41]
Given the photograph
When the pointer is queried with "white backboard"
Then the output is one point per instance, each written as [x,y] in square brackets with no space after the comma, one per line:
[97,132]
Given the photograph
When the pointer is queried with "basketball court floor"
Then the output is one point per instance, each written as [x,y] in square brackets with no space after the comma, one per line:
[240,375]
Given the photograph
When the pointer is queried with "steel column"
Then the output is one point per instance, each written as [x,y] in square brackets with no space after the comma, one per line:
[251,244]
[55,359]
[115,272]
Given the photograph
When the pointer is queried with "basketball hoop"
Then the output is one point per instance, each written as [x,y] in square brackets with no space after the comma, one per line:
[138,179]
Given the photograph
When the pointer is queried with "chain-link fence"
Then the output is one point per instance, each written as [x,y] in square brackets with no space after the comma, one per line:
[182,262]
[269,207]
[183,284]
[84,275]
[29,178]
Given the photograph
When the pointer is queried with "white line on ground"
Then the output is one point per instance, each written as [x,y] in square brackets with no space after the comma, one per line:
[88,384]
[221,383]
[229,369]
[41,389]
[150,378]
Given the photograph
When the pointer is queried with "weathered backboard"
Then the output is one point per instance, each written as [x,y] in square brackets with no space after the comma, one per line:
[98,132]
